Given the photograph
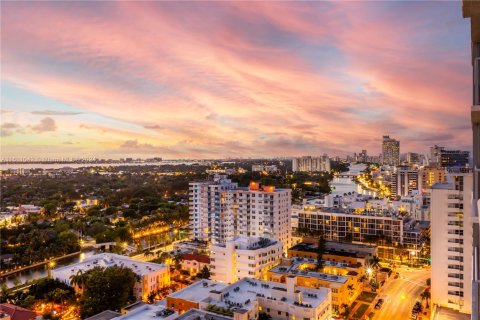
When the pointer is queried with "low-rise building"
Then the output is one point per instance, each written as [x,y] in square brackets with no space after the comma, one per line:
[246,298]
[342,278]
[194,263]
[244,257]
[344,252]
[153,276]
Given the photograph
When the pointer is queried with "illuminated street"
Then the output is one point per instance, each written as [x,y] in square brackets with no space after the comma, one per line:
[400,294]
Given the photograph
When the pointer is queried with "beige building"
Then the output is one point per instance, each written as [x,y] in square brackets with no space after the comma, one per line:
[451,243]
[244,257]
[247,298]
[152,276]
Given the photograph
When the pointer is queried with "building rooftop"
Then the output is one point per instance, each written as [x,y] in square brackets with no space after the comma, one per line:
[195,314]
[297,268]
[108,260]
[104,315]
[198,291]
[16,312]
[147,311]
[309,247]
[250,243]
[242,294]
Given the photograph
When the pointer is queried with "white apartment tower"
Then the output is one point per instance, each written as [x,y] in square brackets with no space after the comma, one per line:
[244,257]
[451,242]
[311,164]
[220,211]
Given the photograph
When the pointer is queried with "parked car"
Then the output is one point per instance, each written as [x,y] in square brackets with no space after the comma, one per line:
[379,304]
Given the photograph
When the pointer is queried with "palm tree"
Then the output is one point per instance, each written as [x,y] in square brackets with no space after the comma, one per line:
[78,279]
[363,278]
[375,262]
[426,296]
[59,295]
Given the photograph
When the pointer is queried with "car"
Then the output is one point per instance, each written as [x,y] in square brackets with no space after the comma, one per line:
[379,303]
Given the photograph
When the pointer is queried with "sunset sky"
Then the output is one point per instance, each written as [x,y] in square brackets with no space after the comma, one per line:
[215,80]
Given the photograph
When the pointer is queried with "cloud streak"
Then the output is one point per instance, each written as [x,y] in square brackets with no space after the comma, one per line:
[211,80]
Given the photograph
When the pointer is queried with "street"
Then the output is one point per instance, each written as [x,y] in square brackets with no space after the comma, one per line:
[401,294]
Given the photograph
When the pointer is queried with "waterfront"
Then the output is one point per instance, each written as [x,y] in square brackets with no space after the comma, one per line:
[345,185]
[41,271]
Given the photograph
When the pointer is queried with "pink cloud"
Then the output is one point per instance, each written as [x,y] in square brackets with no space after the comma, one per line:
[243,72]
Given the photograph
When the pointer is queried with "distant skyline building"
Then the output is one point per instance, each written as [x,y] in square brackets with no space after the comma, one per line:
[444,157]
[451,242]
[311,164]
[390,151]
[220,210]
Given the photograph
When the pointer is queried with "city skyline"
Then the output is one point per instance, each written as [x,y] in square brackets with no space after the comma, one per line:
[193,80]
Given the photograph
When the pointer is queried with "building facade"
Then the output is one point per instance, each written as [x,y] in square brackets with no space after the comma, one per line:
[244,257]
[220,211]
[152,276]
[311,164]
[247,298]
[451,243]
[471,9]
[405,181]
[390,151]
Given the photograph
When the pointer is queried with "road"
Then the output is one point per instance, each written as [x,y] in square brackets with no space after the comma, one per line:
[400,294]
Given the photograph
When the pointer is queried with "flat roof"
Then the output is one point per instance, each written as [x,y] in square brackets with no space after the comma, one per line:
[146,311]
[294,270]
[198,291]
[243,293]
[108,260]
[195,314]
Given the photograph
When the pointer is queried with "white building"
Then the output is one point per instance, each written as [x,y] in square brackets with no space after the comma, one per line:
[451,243]
[153,276]
[311,164]
[263,167]
[147,311]
[220,211]
[405,181]
[244,257]
[246,298]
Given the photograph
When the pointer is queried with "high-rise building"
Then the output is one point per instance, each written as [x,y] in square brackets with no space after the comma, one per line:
[311,164]
[453,158]
[242,257]
[435,154]
[220,211]
[414,158]
[451,242]
[390,151]
[432,175]
[405,181]
[471,9]
[445,158]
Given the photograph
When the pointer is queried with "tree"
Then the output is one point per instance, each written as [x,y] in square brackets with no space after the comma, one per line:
[425,295]
[78,279]
[363,278]
[204,273]
[375,262]
[106,289]
[264,316]
[429,282]
[350,289]
[59,295]
[320,251]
